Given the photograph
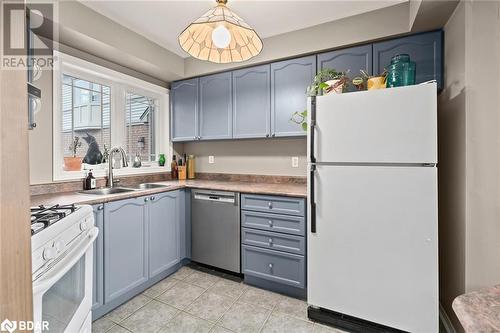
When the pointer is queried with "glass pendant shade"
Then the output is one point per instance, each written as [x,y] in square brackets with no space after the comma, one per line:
[220,36]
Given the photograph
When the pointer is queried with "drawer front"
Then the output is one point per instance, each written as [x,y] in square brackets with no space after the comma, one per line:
[273,240]
[273,222]
[280,267]
[273,204]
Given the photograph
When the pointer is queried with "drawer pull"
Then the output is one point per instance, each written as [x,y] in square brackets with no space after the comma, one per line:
[270,266]
[270,223]
[270,204]
[270,241]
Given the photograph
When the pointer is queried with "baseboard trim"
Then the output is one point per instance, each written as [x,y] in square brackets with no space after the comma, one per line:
[349,323]
[443,317]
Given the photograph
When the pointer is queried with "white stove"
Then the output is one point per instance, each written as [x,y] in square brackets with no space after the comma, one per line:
[61,244]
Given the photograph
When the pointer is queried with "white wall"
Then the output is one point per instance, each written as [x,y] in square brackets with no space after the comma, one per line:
[469,155]
[258,156]
[451,165]
[88,31]
[483,143]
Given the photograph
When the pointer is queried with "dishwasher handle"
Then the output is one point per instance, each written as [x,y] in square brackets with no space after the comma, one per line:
[218,197]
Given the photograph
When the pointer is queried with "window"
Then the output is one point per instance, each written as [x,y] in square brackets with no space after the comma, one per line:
[103,108]
[85,114]
[139,120]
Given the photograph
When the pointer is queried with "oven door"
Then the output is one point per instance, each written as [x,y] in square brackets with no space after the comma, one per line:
[62,296]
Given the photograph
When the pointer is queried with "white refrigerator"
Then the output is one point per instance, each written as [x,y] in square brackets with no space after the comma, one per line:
[373,226]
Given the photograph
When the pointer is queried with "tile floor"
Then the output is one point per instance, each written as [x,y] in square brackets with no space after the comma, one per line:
[193,300]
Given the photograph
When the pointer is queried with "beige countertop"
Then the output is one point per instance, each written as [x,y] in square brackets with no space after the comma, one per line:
[284,189]
[479,311]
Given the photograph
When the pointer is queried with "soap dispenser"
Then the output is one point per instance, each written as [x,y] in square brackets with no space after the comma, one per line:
[90,181]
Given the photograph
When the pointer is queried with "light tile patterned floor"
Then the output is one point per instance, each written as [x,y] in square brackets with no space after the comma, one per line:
[194,301]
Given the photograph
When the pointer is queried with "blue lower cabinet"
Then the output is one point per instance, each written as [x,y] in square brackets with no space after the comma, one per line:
[273,243]
[274,240]
[125,247]
[141,241]
[184,206]
[164,233]
[273,204]
[98,274]
[273,222]
[281,267]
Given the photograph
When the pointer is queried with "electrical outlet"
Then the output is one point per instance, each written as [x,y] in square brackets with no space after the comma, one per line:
[211,159]
[295,161]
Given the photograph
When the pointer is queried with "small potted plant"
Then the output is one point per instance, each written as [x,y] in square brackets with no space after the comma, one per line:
[73,163]
[327,81]
[369,81]
[300,118]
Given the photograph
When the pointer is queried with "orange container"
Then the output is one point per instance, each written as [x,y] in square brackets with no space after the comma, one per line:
[182,172]
[377,82]
[72,164]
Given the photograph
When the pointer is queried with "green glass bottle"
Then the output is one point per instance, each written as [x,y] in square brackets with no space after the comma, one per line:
[161,160]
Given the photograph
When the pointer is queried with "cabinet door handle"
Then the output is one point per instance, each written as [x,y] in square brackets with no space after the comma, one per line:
[270,223]
[270,241]
[101,207]
[270,205]
[271,266]
[152,198]
[273,135]
[146,199]
[267,135]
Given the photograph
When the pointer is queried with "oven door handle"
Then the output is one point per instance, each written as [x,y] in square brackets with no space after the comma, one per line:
[63,266]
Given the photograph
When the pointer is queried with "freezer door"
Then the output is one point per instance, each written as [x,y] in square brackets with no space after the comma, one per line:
[374,254]
[397,125]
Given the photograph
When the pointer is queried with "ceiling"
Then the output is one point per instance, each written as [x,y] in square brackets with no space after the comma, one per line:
[162,21]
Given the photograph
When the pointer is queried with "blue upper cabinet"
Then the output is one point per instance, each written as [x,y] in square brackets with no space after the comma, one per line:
[252,102]
[352,59]
[183,108]
[216,107]
[425,49]
[289,81]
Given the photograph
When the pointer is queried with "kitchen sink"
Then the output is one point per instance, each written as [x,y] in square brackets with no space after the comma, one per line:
[107,190]
[146,186]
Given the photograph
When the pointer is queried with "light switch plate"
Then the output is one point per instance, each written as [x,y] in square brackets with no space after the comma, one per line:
[295,161]
[211,159]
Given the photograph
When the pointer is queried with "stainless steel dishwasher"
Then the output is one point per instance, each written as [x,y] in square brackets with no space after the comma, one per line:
[215,229]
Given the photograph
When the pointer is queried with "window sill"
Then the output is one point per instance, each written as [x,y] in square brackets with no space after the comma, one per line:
[100,171]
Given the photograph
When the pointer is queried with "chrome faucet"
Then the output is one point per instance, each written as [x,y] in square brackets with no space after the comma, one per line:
[120,150]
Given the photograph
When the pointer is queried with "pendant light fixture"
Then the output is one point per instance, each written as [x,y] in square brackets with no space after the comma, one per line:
[220,36]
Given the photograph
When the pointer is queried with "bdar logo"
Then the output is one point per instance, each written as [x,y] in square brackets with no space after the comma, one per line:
[8,325]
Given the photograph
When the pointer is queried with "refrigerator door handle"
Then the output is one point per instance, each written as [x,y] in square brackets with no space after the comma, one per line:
[312,125]
[312,159]
[312,199]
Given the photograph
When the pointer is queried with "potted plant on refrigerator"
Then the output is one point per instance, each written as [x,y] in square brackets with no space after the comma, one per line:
[73,163]
[328,80]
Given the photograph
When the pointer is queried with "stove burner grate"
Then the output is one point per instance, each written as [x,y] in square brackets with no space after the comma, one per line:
[43,217]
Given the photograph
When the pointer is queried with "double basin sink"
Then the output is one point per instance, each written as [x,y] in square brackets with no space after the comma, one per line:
[116,190]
